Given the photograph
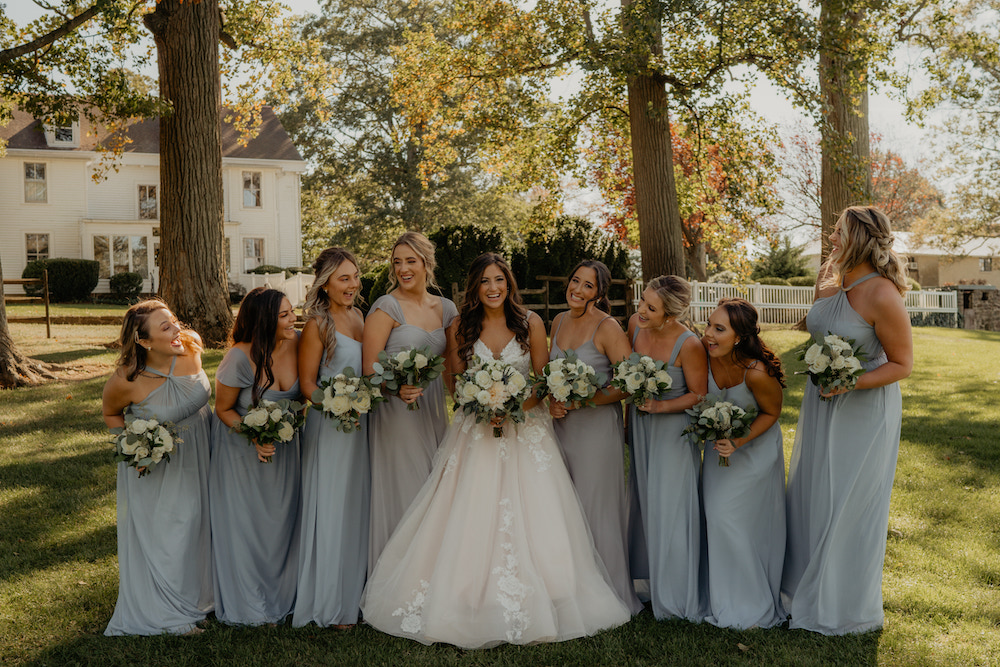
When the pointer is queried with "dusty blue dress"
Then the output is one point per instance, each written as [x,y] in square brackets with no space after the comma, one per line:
[336,491]
[164,534]
[592,442]
[664,470]
[402,442]
[255,512]
[745,520]
[838,489]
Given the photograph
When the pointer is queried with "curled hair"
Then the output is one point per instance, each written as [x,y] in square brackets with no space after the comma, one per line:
[257,324]
[470,318]
[135,327]
[749,346]
[674,292]
[317,305]
[866,236]
[424,248]
[603,283]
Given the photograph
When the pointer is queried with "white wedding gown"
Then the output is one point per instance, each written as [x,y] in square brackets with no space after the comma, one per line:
[495,547]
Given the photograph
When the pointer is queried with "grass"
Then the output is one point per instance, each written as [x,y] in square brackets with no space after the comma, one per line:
[58,574]
[19,310]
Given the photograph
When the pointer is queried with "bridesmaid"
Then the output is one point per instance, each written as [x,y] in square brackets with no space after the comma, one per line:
[336,483]
[592,439]
[745,502]
[164,534]
[844,458]
[255,505]
[665,464]
[402,441]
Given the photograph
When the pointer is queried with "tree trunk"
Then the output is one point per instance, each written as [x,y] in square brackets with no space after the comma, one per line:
[192,278]
[697,261]
[16,370]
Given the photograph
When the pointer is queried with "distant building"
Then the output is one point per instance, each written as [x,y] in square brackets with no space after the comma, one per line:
[51,207]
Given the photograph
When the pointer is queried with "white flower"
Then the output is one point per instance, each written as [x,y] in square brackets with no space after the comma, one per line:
[710,412]
[837,343]
[285,432]
[556,364]
[168,445]
[838,362]
[130,448]
[138,426]
[420,361]
[402,356]
[276,415]
[496,374]
[362,402]
[156,454]
[581,387]
[328,402]
[663,377]
[817,361]
[561,393]
[633,381]
[651,385]
[517,382]
[853,364]
[142,451]
[340,404]
[376,391]
[648,364]
[469,390]
[341,387]
[255,417]
[483,378]
[483,397]
[556,378]
[163,435]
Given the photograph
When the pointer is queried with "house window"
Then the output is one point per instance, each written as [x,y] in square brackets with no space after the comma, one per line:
[118,254]
[253,254]
[251,189]
[37,246]
[35,189]
[64,134]
[985,263]
[147,203]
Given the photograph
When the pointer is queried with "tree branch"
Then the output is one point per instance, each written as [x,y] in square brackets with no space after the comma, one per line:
[45,40]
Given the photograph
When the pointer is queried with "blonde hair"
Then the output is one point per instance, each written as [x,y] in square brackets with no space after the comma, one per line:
[674,292]
[317,305]
[132,358]
[424,248]
[866,236]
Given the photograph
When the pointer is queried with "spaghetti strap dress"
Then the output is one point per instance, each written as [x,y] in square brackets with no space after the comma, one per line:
[592,442]
[745,519]
[164,535]
[839,483]
[336,492]
[664,469]
[255,512]
[402,442]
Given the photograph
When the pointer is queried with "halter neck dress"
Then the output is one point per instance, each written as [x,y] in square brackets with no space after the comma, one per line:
[839,483]
[164,534]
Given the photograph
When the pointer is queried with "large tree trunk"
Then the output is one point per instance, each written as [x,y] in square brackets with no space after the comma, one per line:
[192,278]
[16,370]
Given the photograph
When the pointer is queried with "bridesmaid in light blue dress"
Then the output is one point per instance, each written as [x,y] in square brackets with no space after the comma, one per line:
[744,502]
[592,438]
[664,463]
[845,449]
[255,505]
[402,442]
[336,482]
[164,535]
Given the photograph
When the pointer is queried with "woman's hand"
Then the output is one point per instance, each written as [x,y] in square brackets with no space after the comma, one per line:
[725,447]
[558,410]
[830,393]
[651,406]
[264,452]
[409,394]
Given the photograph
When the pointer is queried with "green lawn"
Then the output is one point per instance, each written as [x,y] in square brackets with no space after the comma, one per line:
[58,576]
[16,310]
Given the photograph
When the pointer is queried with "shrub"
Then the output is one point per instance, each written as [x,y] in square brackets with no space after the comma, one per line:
[455,248]
[374,284]
[773,280]
[292,270]
[126,287]
[782,261]
[802,281]
[236,292]
[726,277]
[69,279]
[267,269]
[914,285]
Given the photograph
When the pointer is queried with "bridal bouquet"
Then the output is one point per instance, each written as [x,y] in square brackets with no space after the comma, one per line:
[417,367]
[641,377]
[271,422]
[567,379]
[345,397]
[143,443]
[717,419]
[835,362]
[491,389]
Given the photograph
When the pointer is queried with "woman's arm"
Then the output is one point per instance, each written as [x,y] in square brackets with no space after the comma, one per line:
[454,364]
[612,342]
[767,392]
[114,400]
[310,356]
[539,351]
[694,362]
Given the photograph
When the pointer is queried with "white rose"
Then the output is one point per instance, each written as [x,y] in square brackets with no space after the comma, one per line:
[163,435]
[469,390]
[328,402]
[285,432]
[402,356]
[853,364]
[483,378]
[130,448]
[341,387]
[138,426]
[651,385]
[648,364]
[340,404]
[483,397]
[376,391]
[710,413]
[156,454]
[838,363]
[561,393]
[362,403]
[168,445]
[556,364]
[276,415]
[517,382]
[633,382]
[582,388]
[142,451]
[255,417]
[420,361]
[663,377]
[556,379]
[496,374]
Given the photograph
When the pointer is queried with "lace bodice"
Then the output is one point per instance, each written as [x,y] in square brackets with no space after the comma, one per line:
[512,353]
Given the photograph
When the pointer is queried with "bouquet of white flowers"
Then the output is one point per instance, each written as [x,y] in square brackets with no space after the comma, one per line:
[491,389]
[271,422]
[567,379]
[718,419]
[417,367]
[641,377]
[835,362]
[345,397]
[143,443]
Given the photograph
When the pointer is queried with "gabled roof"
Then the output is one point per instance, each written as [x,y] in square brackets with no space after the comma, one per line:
[271,142]
[904,243]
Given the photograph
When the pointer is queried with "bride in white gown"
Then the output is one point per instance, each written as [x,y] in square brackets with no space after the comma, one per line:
[495,547]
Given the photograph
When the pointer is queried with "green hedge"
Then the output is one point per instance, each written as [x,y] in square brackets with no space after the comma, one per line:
[802,281]
[456,246]
[773,280]
[126,286]
[374,284]
[69,279]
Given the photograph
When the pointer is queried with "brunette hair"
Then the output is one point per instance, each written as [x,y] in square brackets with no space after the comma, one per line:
[674,292]
[424,248]
[317,305]
[257,324]
[135,327]
[866,236]
[603,283]
[749,346]
[470,318]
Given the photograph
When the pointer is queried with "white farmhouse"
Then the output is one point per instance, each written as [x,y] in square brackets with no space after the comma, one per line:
[50,206]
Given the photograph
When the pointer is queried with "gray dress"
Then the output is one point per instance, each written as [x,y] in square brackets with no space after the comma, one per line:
[336,491]
[592,442]
[402,442]
[255,512]
[666,465]
[164,534]
[838,490]
[745,519]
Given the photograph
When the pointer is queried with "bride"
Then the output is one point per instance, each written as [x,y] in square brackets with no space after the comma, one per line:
[495,547]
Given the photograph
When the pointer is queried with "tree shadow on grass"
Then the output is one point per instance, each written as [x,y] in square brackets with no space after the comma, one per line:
[70,356]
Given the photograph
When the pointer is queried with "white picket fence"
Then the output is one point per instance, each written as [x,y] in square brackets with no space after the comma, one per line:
[295,288]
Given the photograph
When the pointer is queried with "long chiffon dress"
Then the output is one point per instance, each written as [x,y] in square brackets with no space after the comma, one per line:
[592,442]
[745,519]
[336,491]
[164,534]
[664,470]
[255,512]
[402,442]
[495,547]
[839,483]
